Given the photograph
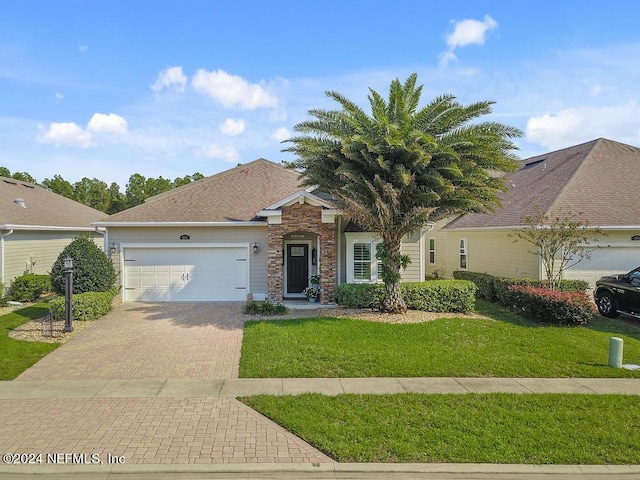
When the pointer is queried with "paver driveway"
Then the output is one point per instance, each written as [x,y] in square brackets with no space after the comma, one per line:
[151,340]
[143,341]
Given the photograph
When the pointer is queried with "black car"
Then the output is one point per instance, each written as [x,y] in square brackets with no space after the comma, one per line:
[618,294]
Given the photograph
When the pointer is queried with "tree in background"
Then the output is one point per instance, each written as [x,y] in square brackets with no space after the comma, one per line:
[560,241]
[401,167]
[96,194]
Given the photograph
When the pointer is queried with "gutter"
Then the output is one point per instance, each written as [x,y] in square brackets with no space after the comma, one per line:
[181,224]
[2,254]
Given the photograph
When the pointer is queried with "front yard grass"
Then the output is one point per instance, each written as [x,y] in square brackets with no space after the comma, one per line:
[503,345]
[463,428]
[18,355]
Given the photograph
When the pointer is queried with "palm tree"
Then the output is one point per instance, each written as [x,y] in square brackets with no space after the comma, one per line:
[401,167]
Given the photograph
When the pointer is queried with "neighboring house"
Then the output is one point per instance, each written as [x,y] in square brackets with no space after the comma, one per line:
[35,226]
[248,232]
[597,181]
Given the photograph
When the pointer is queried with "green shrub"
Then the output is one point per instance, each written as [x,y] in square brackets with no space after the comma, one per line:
[85,306]
[551,306]
[92,269]
[360,295]
[483,281]
[501,285]
[27,288]
[266,307]
[431,296]
[440,295]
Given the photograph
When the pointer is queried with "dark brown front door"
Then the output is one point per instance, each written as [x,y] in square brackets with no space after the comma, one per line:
[297,267]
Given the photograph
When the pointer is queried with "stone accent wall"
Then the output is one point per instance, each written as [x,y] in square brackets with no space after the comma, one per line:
[302,218]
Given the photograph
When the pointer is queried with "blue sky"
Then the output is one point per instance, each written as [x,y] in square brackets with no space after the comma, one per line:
[165,88]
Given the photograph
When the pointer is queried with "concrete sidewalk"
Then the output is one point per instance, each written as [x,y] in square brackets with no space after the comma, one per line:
[230,388]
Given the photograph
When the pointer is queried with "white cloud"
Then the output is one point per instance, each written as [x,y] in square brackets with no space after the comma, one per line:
[466,32]
[65,133]
[572,126]
[281,134]
[59,96]
[228,154]
[231,126]
[232,90]
[107,123]
[170,78]
[83,48]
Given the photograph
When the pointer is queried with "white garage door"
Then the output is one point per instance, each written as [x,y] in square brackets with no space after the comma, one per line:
[185,274]
[605,261]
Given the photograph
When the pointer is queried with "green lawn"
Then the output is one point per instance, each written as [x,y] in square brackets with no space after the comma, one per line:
[489,428]
[17,355]
[505,345]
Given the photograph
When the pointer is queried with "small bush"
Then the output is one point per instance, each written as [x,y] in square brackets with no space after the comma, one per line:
[265,308]
[440,295]
[27,288]
[431,296]
[360,295]
[483,281]
[92,269]
[85,306]
[501,286]
[551,306]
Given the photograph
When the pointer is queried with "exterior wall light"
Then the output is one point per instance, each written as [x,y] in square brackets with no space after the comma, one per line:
[255,247]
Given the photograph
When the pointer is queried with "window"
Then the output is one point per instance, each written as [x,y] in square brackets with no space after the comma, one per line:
[463,253]
[362,261]
[432,251]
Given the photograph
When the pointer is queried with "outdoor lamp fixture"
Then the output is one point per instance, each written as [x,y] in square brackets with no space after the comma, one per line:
[68,291]
[255,247]
[113,248]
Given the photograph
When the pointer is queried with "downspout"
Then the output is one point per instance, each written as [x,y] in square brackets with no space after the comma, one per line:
[105,239]
[2,254]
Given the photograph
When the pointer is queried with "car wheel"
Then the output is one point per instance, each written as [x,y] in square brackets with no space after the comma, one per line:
[607,305]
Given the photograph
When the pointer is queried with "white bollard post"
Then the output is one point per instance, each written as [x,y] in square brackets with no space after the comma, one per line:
[615,352]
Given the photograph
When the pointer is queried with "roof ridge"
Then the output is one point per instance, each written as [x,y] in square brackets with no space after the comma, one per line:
[595,144]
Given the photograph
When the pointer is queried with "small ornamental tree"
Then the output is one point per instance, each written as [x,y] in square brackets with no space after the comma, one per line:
[559,241]
[92,269]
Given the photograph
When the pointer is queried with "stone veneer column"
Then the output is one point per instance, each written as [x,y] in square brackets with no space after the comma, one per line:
[302,218]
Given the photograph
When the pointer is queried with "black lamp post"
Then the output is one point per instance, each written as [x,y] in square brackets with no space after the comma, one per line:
[68,291]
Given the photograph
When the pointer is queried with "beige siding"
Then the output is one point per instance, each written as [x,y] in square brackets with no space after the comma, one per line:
[411,247]
[490,251]
[200,235]
[35,251]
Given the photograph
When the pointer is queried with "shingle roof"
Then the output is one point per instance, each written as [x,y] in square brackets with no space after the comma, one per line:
[597,179]
[230,196]
[43,207]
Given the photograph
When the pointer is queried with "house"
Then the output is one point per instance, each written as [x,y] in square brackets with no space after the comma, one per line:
[596,181]
[35,226]
[248,232]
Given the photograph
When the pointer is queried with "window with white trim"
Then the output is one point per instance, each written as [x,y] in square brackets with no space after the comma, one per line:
[432,251]
[463,254]
[362,261]
[362,264]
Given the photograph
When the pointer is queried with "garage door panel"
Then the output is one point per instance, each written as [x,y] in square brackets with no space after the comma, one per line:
[186,274]
[605,261]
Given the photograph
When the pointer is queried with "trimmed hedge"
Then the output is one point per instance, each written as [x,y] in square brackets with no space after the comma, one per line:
[495,288]
[85,306]
[266,307]
[27,288]
[430,296]
[550,306]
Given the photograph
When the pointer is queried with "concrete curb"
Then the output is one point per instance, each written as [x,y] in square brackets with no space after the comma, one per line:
[421,468]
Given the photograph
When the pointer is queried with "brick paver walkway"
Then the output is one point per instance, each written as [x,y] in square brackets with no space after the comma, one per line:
[150,341]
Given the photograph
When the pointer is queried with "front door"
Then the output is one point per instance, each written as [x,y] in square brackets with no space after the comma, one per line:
[297,267]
